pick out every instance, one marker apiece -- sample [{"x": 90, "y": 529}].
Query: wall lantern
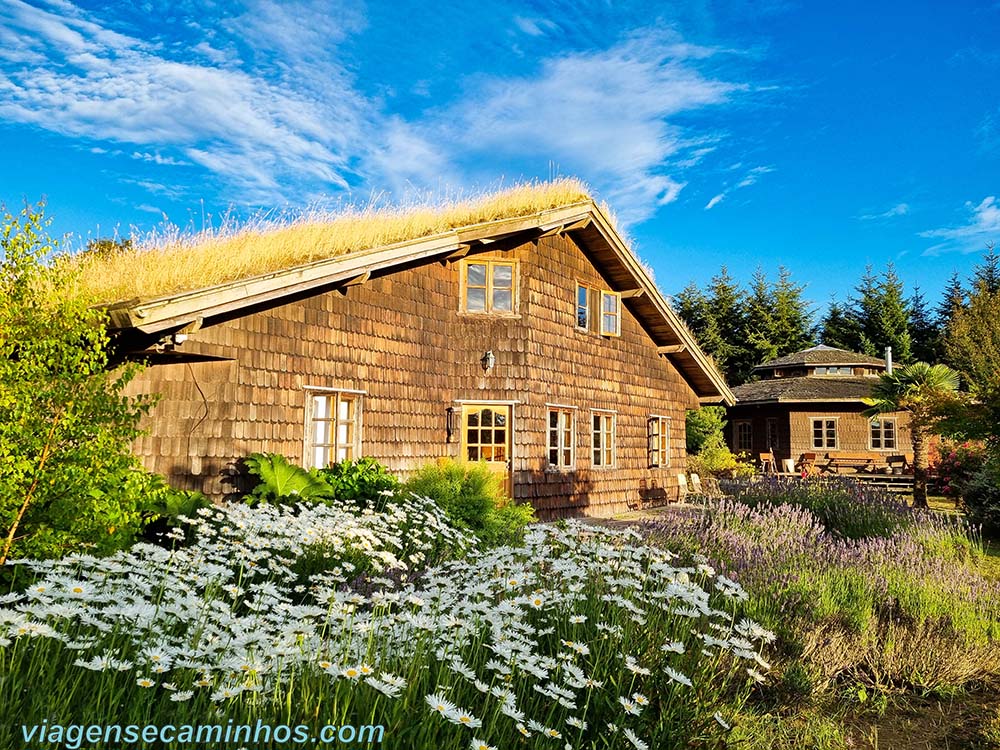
[
  {"x": 452, "y": 424},
  {"x": 489, "y": 359}
]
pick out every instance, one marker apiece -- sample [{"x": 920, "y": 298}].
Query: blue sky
[{"x": 820, "y": 136}]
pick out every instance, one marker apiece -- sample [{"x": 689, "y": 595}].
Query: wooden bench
[{"x": 860, "y": 462}]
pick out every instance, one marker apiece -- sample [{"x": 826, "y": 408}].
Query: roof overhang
[{"x": 584, "y": 222}]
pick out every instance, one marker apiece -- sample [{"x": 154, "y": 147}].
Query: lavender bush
[{"x": 891, "y": 596}]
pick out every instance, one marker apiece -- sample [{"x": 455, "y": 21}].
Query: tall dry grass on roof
[{"x": 164, "y": 264}]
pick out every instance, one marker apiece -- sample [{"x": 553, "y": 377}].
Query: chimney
[{"x": 888, "y": 359}]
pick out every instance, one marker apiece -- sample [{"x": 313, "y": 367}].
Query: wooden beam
[
  {"x": 458, "y": 254},
  {"x": 630, "y": 293},
  {"x": 672, "y": 349},
  {"x": 358, "y": 280},
  {"x": 576, "y": 225}
]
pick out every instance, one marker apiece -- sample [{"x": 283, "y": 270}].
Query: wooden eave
[{"x": 584, "y": 222}]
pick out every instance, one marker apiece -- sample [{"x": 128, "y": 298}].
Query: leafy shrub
[
  {"x": 703, "y": 424},
  {"x": 472, "y": 495},
  {"x": 282, "y": 482},
  {"x": 66, "y": 425},
  {"x": 363, "y": 481},
  {"x": 981, "y": 497},
  {"x": 715, "y": 459},
  {"x": 166, "y": 506}
]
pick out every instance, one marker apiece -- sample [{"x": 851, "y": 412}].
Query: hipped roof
[
  {"x": 805, "y": 389},
  {"x": 149, "y": 318},
  {"x": 821, "y": 355}
]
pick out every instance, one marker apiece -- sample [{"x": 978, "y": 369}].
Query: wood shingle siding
[{"x": 402, "y": 341}]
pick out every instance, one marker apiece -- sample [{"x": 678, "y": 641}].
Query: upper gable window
[
  {"x": 611, "y": 313},
  {"x": 582, "y": 307},
  {"x": 489, "y": 286}
]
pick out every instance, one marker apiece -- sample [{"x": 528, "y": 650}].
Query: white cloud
[
  {"x": 256, "y": 134},
  {"x": 606, "y": 115},
  {"x": 753, "y": 175},
  {"x": 715, "y": 201},
  {"x": 900, "y": 209},
  {"x": 983, "y": 227},
  {"x": 534, "y": 26}
]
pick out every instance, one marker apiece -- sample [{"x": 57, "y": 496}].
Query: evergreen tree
[
  {"x": 726, "y": 304},
  {"x": 760, "y": 320},
  {"x": 986, "y": 276},
  {"x": 892, "y": 325},
  {"x": 953, "y": 299},
  {"x": 792, "y": 315},
  {"x": 925, "y": 336},
  {"x": 839, "y": 328},
  {"x": 694, "y": 309},
  {"x": 865, "y": 310},
  {"x": 972, "y": 340},
  {"x": 882, "y": 315}
]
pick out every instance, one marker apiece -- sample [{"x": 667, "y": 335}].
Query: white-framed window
[
  {"x": 333, "y": 427},
  {"x": 883, "y": 434},
  {"x": 611, "y": 313},
  {"x": 489, "y": 286},
  {"x": 562, "y": 437},
  {"x": 824, "y": 432},
  {"x": 582, "y": 307},
  {"x": 772, "y": 434},
  {"x": 742, "y": 435},
  {"x": 603, "y": 443},
  {"x": 659, "y": 441}
]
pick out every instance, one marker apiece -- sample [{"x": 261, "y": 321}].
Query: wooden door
[{"x": 486, "y": 436}]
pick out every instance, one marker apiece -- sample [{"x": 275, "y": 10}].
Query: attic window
[
  {"x": 611, "y": 313},
  {"x": 489, "y": 286}
]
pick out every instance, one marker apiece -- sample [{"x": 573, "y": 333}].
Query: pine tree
[
  {"x": 986, "y": 276},
  {"x": 694, "y": 308},
  {"x": 727, "y": 303},
  {"x": 760, "y": 320},
  {"x": 892, "y": 326},
  {"x": 839, "y": 328},
  {"x": 925, "y": 336},
  {"x": 953, "y": 298},
  {"x": 865, "y": 310},
  {"x": 792, "y": 315}
]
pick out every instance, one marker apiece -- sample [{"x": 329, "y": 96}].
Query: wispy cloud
[
  {"x": 753, "y": 175},
  {"x": 750, "y": 178},
  {"x": 982, "y": 227},
  {"x": 900, "y": 209},
  {"x": 715, "y": 201},
  {"x": 263, "y": 102},
  {"x": 253, "y": 133},
  {"x": 608, "y": 115}
]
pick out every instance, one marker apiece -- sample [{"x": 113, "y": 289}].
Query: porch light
[{"x": 489, "y": 359}]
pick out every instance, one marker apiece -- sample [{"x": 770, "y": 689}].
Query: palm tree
[{"x": 922, "y": 391}]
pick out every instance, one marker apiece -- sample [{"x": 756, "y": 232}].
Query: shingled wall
[{"x": 403, "y": 341}]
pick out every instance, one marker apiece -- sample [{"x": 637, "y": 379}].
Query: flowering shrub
[
  {"x": 845, "y": 507},
  {"x": 580, "y": 637},
  {"x": 908, "y": 606},
  {"x": 956, "y": 465}
]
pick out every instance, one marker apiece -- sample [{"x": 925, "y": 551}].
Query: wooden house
[
  {"x": 809, "y": 404},
  {"x": 534, "y": 341}
]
